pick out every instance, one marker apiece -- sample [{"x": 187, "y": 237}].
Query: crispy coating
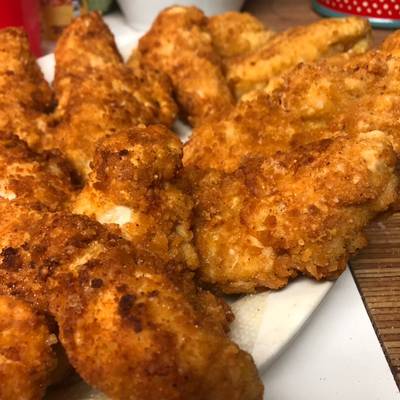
[
  {"x": 313, "y": 101},
  {"x": 300, "y": 44},
  {"x": 40, "y": 181},
  {"x": 234, "y": 33},
  {"x": 179, "y": 44},
  {"x": 158, "y": 87},
  {"x": 27, "y": 360},
  {"x": 301, "y": 212},
  {"x": 97, "y": 93},
  {"x": 391, "y": 44},
  {"x": 129, "y": 328},
  {"x": 24, "y": 93},
  {"x": 85, "y": 45},
  {"x": 135, "y": 183}
]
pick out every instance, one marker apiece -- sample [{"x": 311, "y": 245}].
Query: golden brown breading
[
  {"x": 85, "y": 45},
  {"x": 35, "y": 180},
  {"x": 235, "y": 33},
  {"x": 128, "y": 327},
  {"x": 158, "y": 87},
  {"x": 27, "y": 360},
  {"x": 135, "y": 183},
  {"x": 179, "y": 44},
  {"x": 297, "y": 212},
  {"x": 97, "y": 93},
  {"x": 313, "y": 101},
  {"x": 300, "y": 44},
  {"x": 391, "y": 44},
  {"x": 24, "y": 93}
]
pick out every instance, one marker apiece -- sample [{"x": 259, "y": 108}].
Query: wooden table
[{"x": 377, "y": 268}]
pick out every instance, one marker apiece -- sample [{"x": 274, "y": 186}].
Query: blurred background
[{"x": 44, "y": 20}]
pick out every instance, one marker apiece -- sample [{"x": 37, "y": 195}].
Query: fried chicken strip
[
  {"x": 158, "y": 87},
  {"x": 300, "y": 44},
  {"x": 301, "y": 212},
  {"x": 39, "y": 181},
  {"x": 235, "y": 33},
  {"x": 97, "y": 93},
  {"x": 136, "y": 184},
  {"x": 180, "y": 45},
  {"x": 27, "y": 359},
  {"x": 24, "y": 94},
  {"x": 129, "y": 328},
  {"x": 391, "y": 44},
  {"x": 313, "y": 101}
]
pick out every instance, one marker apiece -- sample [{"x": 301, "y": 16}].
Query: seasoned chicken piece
[
  {"x": 391, "y": 44},
  {"x": 300, "y": 44},
  {"x": 158, "y": 87},
  {"x": 24, "y": 94},
  {"x": 27, "y": 360},
  {"x": 301, "y": 212},
  {"x": 135, "y": 183},
  {"x": 129, "y": 328},
  {"x": 35, "y": 180},
  {"x": 234, "y": 33},
  {"x": 313, "y": 101},
  {"x": 97, "y": 93},
  {"x": 85, "y": 45},
  {"x": 180, "y": 45}
]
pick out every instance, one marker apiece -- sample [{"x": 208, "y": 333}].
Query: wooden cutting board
[{"x": 376, "y": 269}]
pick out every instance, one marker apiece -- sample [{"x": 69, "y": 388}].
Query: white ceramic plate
[{"x": 264, "y": 324}]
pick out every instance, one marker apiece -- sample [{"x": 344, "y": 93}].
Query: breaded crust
[
  {"x": 25, "y": 96},
  {"x": 300, "y": 44},
  {"x": 301, "y": 212},
  {"x": 235, "y": 33},
  {"x": 97, "y": 93},
  {"x": 158, "y": 87},
  {"x": 314, "y": 101},
  {"x": 129, "y": 328},
  {"x": 179, "y": 44},
  {"x": 136, "y": 183},
  {"x": 27, "y": 360},
  {"x": 37, "y": 180}
]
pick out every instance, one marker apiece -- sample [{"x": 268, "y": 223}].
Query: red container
[
  {"x": 25, "y": 14},
  {"x": 381, "y": 13}
]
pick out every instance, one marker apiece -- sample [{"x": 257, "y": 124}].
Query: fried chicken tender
[
  {"x": 180, "y": 45},
  {"x": 24, "y": 94},
  {"x": 158, "y": 87},
  {"x": 300, "y": 44},
  {"x": 391, "y": 44},
  {"x": 39, "y": 181},
  {"x": 97, "y": 93},
  {"x": 301, "y": 212},
  {"x": 27, "y": 359},
  {"x": 135, "y": 183},
  {"x": 129, "y": 328},
  {"x": 313, "y": 101},
  {"x": 234, "y": 33}
]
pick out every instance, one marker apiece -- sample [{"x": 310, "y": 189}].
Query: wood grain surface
[{"x": 377, "y": 268}]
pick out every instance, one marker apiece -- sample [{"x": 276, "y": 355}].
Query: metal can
[{"x": 380, "y": 13}]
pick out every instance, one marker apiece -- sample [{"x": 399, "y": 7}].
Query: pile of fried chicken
[{"x": 117, "y": 241}]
